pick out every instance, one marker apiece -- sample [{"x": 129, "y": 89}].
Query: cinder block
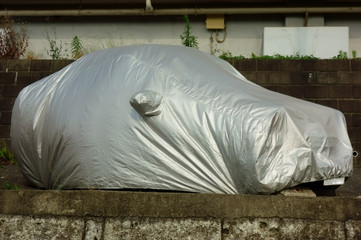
[
  {"x": 5, "y": 117},
  {"x": 60, "y": 64},
  {"x": 6, "y": 105},
  {"x": 338, "y": 65},
  {"x": 12, "y": 90},
  {"x": 315, "y": 92},
  {"x": 354, "y": 133},
  {"x": 93, "y": 229},
  {"x": 328, "y": 103},
  {"x": 291, "y": 65},
  {"x": 356, "y": 91},
  {"x": 18, "y": 65},
  {"x": 280, "y": 77},
  {"x": 249, "y": 75},
  {"x": 34, "y": 228},
  {"x": 161, "y": 228},
  {"x": 275, "y": 228},
  {"x": 28, "y": 77},
  {"x": 353, "y": 229},
  {"x": 245, "y": 64},
  {"x": 4, "y": 131},
  {"x": 340, "y": 91},
  {"x": 3, "y": 65},
  {"x": 315, "y": 65},
  {"x": 326, "y": 78},
  {"x": 351, "y": 106},
  {"x": 268, "y": 65},
  {"x": 41, "y": 65},
  {"x": 7, "y": 77},
  {"x": 355, "y": 64},
  {"x": 353, "y": 78},
  {"x": 356, "y": 120},
  {"x": 303, "y": 78},
  {"x": 294, "y": 91}
]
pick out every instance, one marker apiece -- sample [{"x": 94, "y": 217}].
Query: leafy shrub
[
  {"x": 13, "y": 40},
  {"x": 341, "y": 55},
  {"x": 8, "y": 186},
  {"x": 187, "y": 38},
  {"x": 6, "y": 155},
  {"x": 55, "y": 51},
  {"x": 77, "y": 49}
]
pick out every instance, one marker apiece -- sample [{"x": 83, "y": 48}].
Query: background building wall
[{"x": 244, "y": 33}]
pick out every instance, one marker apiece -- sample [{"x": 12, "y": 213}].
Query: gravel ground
[{"x": 11, "y": 175}]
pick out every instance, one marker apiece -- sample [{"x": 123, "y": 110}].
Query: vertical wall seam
[
  {"x": 103, "y": 229},
  {"x": 84, "y": 228}
]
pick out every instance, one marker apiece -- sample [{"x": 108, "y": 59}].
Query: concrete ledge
[
  {"x": 105, "y": 215},
  {"x": 98, "y": 203}
]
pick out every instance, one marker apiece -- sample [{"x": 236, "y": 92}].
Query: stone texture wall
[
  {"x": 134, "y": 228},
  {"x": 333, "y": 83},
  {"x": 14, "y": 76},
  {"x": 105, "y": 215}
]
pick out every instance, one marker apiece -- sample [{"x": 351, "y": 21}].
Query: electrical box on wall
[{"x": 215, "y": 22}]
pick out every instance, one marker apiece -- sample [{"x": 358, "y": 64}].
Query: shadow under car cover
[{"x": 171, "y": 118}]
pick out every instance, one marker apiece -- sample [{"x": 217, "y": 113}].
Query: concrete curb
[{"x": 99, "y": 203}]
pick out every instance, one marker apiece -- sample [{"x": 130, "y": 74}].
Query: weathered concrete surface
[
  {"x": 353, "y": 229},
  {"x": 94, "y": 229},
  {"x": 275, "y": 228},
  {"x": 162, "y": 228},
  {"x": 98, "y": 203},
  {"x": 13, "y": 227},
  {"x": 35, "y": 228},
  {"x": 102, "y": 215}
]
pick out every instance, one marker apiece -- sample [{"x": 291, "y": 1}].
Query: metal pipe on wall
[{"x": 181, "y": 11}]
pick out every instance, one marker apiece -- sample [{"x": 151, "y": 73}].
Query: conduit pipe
[{"x": 181, "y": 11}]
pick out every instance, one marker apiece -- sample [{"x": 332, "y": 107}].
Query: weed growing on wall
[
  {"x": 354, "y": 55},
  {"x": 279, "y": 56},
  {"x": 7, "y": 186},
  {"x": 187, "y": 38},
  {"x": 77, "y": 49},
  {"x": 228, "y": 55},
  {"x": 13, "y": 39},
  {"x": 341, "y": 55},
  {"x": 6, "y": 155},
  {"x": 55, "y": 47}
]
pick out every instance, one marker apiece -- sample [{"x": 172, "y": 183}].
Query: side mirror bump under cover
[{"x": 147, "y": 102}]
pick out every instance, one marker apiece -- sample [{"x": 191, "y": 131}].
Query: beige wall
[{"x": 244, "y": 32}]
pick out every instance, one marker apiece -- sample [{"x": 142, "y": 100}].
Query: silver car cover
[{"x": 171, "y": 118}]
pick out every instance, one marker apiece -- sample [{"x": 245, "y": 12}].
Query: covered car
[{"x": 171, "y": 118}]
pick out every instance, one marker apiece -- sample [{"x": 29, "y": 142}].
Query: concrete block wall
[
  {"x": 14, "y": 76},
  {"x": 105, "y": 215},
  {"x": 333, "y": 83}
]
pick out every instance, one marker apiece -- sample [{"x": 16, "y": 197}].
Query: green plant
[
  {"x": 187, "y": 38},
  {"x": 8, "y": 186},
  {"x": 77, "y": 49},
  {"x": 56, "y": 47},
  {"x": 341, "y": 55},
  {"x": 354, "y": 54},
  {"x": 297, "y": 56},
  {"x": 228, "y": 55},
  {"x": 13, "y": 40},
  {"x": 6, "y": 155}
]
